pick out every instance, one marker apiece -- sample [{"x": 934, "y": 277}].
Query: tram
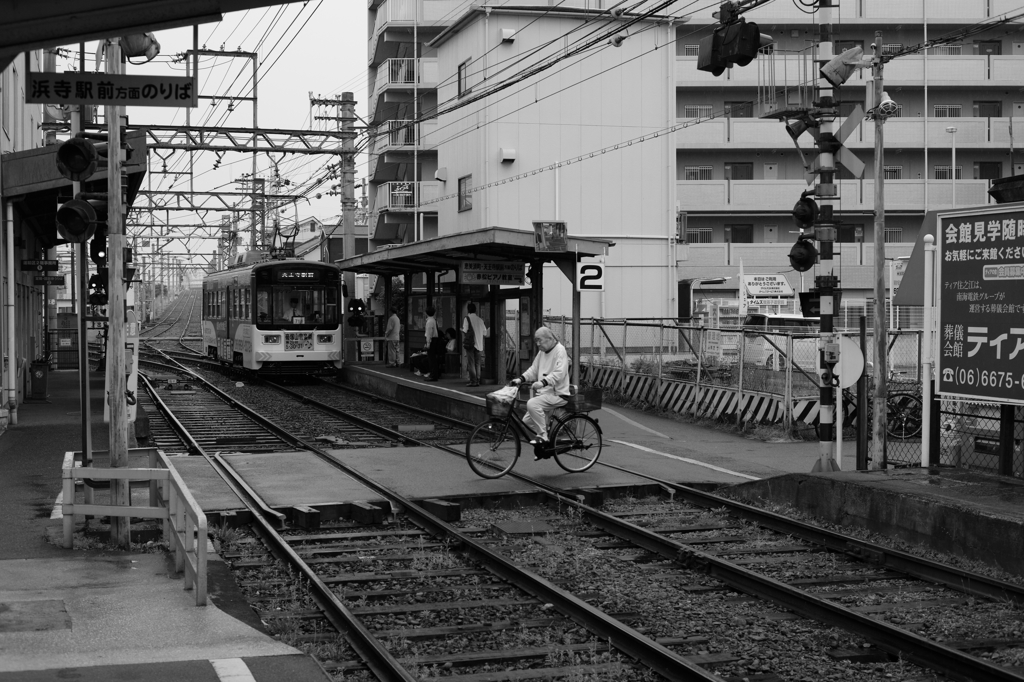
[{"x": 275, "y": 316}]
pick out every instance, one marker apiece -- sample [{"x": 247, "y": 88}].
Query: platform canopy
[{"x": 496, "y": 244}]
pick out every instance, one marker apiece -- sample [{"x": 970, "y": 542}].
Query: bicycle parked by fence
[
  {"x": 574, "y": 437},
  {"x": 903, "y": 408}
]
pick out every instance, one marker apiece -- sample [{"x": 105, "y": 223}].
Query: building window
[
  {"x": 945, "y": 172},
  {"x": 988, "y": 170},
  {"x": 988, "y": 109},
  {"x": 739, "y": 234},
  {"x": 465, "y": 193},
  {"x": 946, "y": 49},
  {"x": 892, "y": 172},
  {"x": 849, "y": 234},
  {"x": 739, "y": 109},
  {"x": 698, "y": 235},
  {"x": 893, "y": 234},
  {"x": 697, "y": 111},
  {"x": 463, "y": 86},
  {"x": 739, "y": 171},
  {"x": 697, "y": 173},
  {"x": 948, "y": 110},
  {"x": 691, "y": 50}
]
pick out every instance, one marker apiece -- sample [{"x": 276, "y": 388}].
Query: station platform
[{"x": 96, "y": 614}]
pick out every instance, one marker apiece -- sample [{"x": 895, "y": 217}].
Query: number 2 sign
[{"x": 590, "y": 276}]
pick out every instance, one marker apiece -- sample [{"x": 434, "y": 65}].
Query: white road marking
[
  {"x": 633, "y": 423},
  {"x": 688, "y": 460},
  {"x": 232, "y": 670}
]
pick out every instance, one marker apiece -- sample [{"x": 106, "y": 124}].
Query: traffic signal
[
  {"x": 735, "y": 44},
  {"x": 98, "y": 249},
  {"x": 356, "y": 308},
  {"x": 805, "y": 212},
  {"x": 803, "y": 256},
  {"x": 78, "y": 158},
  {"x": 98, "y": 287},
  {"x": 76, "y": 220}
]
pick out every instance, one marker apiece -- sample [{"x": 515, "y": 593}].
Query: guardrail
[{"x": 184, "y": 523}]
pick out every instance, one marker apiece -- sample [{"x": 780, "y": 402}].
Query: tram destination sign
[
  {"x": 39, "y": 265},
  {"x": 72, "y": 87},
  {"x": 979, "y": 346}
]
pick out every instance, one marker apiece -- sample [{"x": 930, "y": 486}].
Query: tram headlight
[
  {"x": 271, "y": 339},
  {"x": 325, "y": 338}
]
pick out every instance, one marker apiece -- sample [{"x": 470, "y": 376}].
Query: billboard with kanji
[{"x": 980, "y": 296}]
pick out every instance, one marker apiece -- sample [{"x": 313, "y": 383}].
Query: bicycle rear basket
[
  {"x": 498, "y": 408},
  {"x": 585, "y": 400}
]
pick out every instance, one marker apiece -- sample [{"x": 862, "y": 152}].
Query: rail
[{"x": 184, "y": 523}]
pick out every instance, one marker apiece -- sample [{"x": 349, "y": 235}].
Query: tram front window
[{"x": 286, "y": 305}]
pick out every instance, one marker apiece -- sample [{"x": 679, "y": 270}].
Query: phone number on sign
[{"x": 980, "y": 377}]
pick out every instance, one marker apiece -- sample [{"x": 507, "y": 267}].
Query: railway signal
[{"x": 735, "y": 43}]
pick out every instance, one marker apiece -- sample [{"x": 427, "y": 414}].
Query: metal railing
[{"x": 184, "y": 523}]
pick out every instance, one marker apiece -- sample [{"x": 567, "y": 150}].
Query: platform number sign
[{"x": 590, "y": 276}]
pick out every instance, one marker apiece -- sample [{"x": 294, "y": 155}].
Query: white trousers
[{"x": 537, "y": 409}]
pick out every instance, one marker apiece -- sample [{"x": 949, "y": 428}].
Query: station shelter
[{"x": 499, "y": 269}]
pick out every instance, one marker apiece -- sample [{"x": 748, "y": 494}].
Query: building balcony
[
  {"x": 395, "y": 144},
  {"x": 395, "y": 21},
  {"x": 396, "y": 83},
  {"x": 999, "y": 71},
  {"x": 873, "y": 11},
  {"x": 397, "y": 204},
  {"x": 906, "y": 133},
  {"x": 778, "y": 196}
]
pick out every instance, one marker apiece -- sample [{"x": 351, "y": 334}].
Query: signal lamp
[
  {"x": 803, "y": 256},
  {"x": 76, "y": 221},
  {"x": 77, "y": 159},
  {"x": 805, "y": 212}
]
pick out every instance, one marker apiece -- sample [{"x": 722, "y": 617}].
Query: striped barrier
[{"x": 712, "y": 402}]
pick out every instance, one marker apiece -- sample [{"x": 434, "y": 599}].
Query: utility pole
[
  {"x": 347, "y": 162},
  {"x": 117, "y": 384},
  {"x": 881, "y": 327}
]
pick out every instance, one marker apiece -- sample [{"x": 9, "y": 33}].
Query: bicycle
[
  {"x": 903, "y": 410},
  {"x": 574, "y": 436}
]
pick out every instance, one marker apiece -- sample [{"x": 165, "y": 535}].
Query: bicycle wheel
[
  {"x": 903, "y": 415},
  {"x": 492, "y": 448},
  {"x": 576, "y": 441}
]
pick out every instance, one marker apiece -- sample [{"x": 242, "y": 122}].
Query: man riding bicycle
[{"x": 550, "y": 376}]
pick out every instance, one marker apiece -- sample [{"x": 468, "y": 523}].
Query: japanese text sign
[
  {"x": 111, "y": 89},
  {"x": 473, "y": 272},
  {"x": 767, "y": 285},
  {"x": 980, "y": 295}
]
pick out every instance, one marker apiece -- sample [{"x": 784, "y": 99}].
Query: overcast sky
[{"x": 317, "y": 46}]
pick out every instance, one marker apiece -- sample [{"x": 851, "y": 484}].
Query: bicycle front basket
[{"x": 498, "y": 408}]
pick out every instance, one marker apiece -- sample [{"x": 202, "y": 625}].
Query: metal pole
[
  {"x": 862, "y": 404},
  {"x": 926, "y": 359},
  {"x": 881, "y": 328}
]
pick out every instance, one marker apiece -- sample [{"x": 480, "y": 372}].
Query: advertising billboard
[{"x": 979, "y": 347}]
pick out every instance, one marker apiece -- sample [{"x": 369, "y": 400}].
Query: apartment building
[{"x": 731, "y": 177}]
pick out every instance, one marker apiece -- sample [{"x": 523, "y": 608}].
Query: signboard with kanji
[
  {"x": 114, "y": 89},
  {"x": 980, "y": 294},
  {"x": 551, "y": 236},
  {"x": 39, "y": 265},
  {"x": 49, "y": 279},
  {"x": 763, "y": 286},
  {"x": 475, "y": 272}
]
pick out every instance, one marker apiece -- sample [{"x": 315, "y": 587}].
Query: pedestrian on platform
[
  {"x": 443, "y": 347},
  {"x": 474, "y": 331},
  {"x": 392, "y": 334}
]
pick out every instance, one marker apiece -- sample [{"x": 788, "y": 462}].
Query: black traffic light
[
  {"x": 803, "y": 256},
  {"x": 78, "y": 158},
  {"x": 805, "y": 212},
  {"x": 98, "y": 287},
  {"x": 98, "y": 249},
  {"x": 735, "y": 44},
  {"x": 356, "y": 308},
  {"x": 76, "y": 220}
]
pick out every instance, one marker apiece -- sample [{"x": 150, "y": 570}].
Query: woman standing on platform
[{"x": 392, "y": 334}]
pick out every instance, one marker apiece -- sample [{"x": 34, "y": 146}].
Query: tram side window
[
  {"x": 246, "y": 314},
  {"x": 234, "y": 304}
]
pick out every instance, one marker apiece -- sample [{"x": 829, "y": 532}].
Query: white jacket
[{"x": 551, "y": 368}]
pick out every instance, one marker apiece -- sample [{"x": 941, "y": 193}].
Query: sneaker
[
  {"x": 539, "y": 440},
  {"x": 417, "y": 372},
  {"x": 540, "y": 452}
]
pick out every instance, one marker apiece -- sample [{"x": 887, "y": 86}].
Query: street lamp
[
  {"x": 892, "y": 287},
  {"x": 952, "y": 171}
]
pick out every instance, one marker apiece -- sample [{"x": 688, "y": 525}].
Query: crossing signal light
[
  {"x": 76, "y": 220},
  {"x": 98, "y": 287},
  {"x": 98, "y": 250},
  {"x": 805, "y": 212},
  {"x": 803, "y": 256},
  {"x": 79, "y": 157},
  {"x": 735, "y": 44}
]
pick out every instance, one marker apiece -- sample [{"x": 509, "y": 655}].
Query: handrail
[{"x": 184, "y": 523}]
